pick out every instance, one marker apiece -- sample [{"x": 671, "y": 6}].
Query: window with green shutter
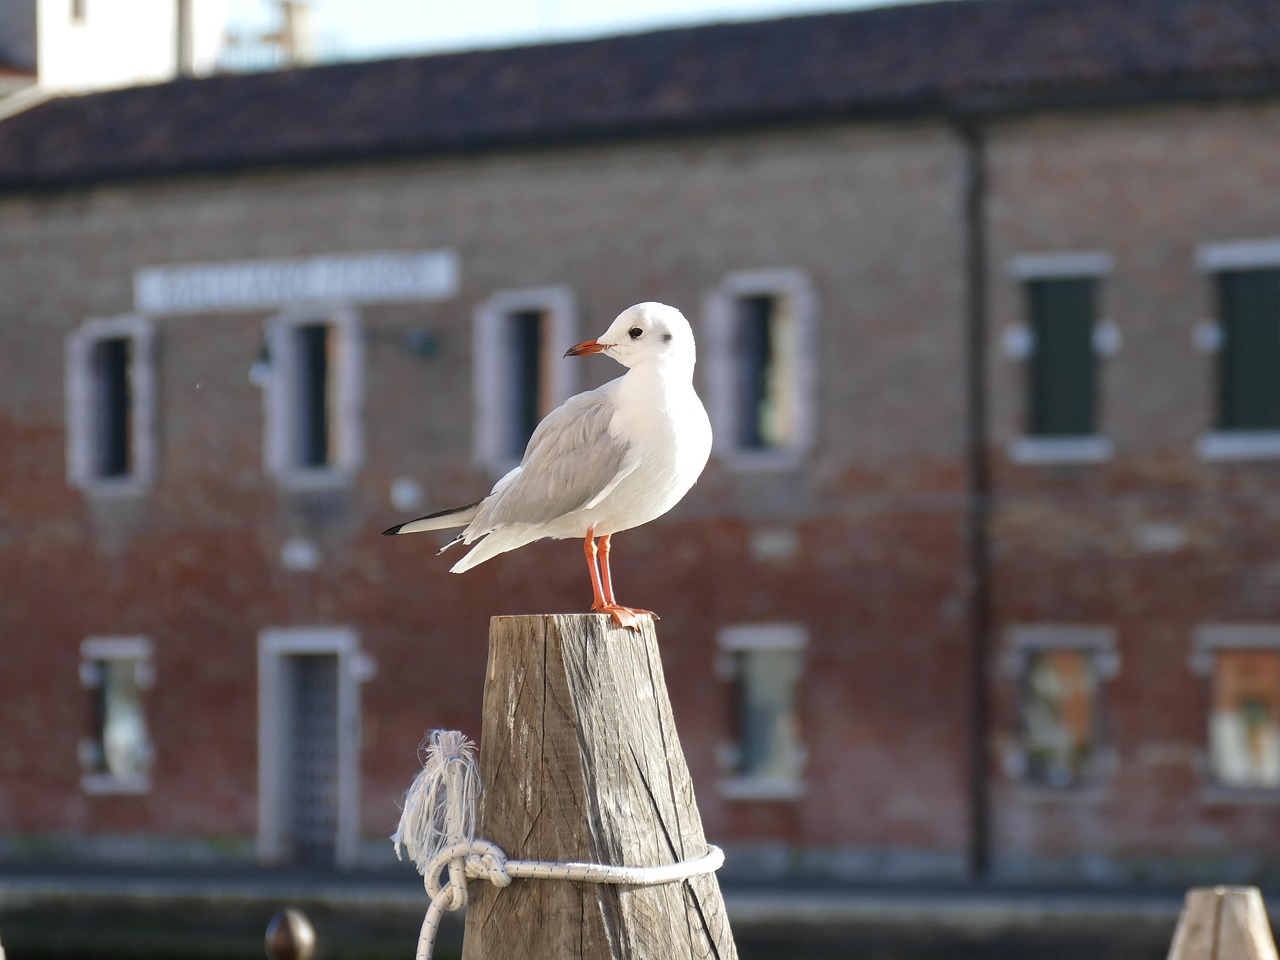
[
  {"x": 1062, "y": 374},
  {"x": 1249, "y": 360}
]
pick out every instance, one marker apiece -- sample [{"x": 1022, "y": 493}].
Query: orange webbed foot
[{"x": 624, "y": 616}]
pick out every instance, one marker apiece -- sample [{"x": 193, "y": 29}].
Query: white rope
[{"x": 437, "y": 827}]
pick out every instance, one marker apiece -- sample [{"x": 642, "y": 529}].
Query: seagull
[{"x": 602, "y": 462}]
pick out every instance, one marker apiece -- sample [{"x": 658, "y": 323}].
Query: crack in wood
[{"x": 653, "y": 802}]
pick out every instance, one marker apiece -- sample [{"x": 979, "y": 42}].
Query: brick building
[{"x": 983, "y": 575}]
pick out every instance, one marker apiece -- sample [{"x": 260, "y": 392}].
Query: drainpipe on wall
[
  {"x": 184, "y": 57},
  {"x": 978, "y": 524}
]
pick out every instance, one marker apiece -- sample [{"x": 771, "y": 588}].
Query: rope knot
[{"x": 491, "y": 864}]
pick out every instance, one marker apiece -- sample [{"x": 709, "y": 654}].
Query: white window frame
[
  {"x": 94, "y": 650},
  {"x": 279, "y": 395},
  {"x": 1213, "y": 258},
  {"x": 1018, "y": 343},
  {"x": 354, "y": 667},
  {"x": 1207, "y": 640},
  {"x": 745, "y": 638},
  {"x": 491, "y": 358},
  {"x": 795, "y": 287},
  {"x": 1023, "y": 640},
  {"x": 81, "y": 432},
  {"x": 1060, "y": 266}
]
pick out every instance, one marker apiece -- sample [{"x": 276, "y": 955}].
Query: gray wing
[{"x": 571, "y": 461}]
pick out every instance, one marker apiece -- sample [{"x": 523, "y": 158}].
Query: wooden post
[
  {"x": 580, "y": 762},
  {"x": 1223, "y": 923}
]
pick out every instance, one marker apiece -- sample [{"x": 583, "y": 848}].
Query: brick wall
[
  {"x": 872, "y": 558},
  {"x": 1156, "y": 541}
]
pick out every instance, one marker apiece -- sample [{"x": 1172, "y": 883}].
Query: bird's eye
[{"x": 636, "y": 333}]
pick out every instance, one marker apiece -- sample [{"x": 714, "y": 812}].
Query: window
[
  {"x": 1059, "y": 717},
  {"x": 116, "y": 755},
  {"x": 309, "y": 730},
  {"x": 1249, "y": 358},
  {"x": 110, "y": 405},
  {"x": 1062, "y": 368},
  {"x": 313, "y": 396},
  {"x": 530, "y": 401},
  {"x": 1060, "y": 342},
  {"x": 761, "y": 367},
  {"x": 1242, "y": 664},
  {"x": 520, "y": 371},
  {"x": 1059, "y": 671},
  {"x": 763, "y": 755},
  {"x": 1244, "y": 719},
  {"x": 1246, "y": 340}
]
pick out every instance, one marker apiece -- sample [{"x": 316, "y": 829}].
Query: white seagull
[{"x": 602, "y": 462}]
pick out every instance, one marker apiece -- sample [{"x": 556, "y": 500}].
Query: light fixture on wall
[
  {"x": 406, "y": 494},
  {"x": 260, "y": 371}
]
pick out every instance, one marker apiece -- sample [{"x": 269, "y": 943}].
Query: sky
[{"x": 367, "y": 29}]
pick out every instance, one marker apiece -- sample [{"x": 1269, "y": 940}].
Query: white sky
[{"x": 365, "y": 29}]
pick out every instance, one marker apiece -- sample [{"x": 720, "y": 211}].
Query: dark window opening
[
  {"x": 1249, "y": 362},
  {"x": 110, "y": 374},
  {"x": 757, "y": 374},
  {"x": 315, "y": 414},
  {"x": 528, "y": 404},
  {"x": 1063, "y": 371}
]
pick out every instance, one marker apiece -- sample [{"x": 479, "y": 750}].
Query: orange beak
[{"x": 585, "y": 347}]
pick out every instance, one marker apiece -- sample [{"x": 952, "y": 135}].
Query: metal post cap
[{"x": 290, "y": 936}]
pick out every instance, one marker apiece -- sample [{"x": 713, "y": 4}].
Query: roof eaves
[
  {"x": 920, "y": 107},
  {"x": 981, "y": 102}
]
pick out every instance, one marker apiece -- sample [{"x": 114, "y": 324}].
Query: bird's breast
[{"x": 670, "y": 440}]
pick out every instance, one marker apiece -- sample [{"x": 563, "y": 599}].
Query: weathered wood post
[
  {"x": 1223, "y": 923},
  {"x": 580, "y": 761}
]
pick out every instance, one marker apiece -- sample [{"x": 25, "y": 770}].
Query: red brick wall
[
  {"x": 879, "y": 578},
  {"x": 1071, "y": 543}
]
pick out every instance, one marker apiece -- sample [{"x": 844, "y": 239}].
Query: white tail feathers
[
  {"x": 456, "y": 517},
  {"x": 499, "y": 541}
]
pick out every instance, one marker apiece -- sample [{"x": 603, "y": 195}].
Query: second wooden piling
[{"x": 1223, "y": 923}]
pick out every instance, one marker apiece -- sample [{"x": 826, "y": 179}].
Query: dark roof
[{"x": 951, "y": 56}]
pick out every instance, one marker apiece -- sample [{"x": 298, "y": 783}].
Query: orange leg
[
  {"x": 602, "y": 584},
  {"x": 606, "y": 578},
  {"x": 589, "y": 548}
]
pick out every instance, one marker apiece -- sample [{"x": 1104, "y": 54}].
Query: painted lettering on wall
[{"x": 234, "y": 286}]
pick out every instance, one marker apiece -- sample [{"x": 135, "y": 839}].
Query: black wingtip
[{"x": 392, "y": 531}]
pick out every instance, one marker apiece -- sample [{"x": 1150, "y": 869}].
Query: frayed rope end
[{"x": 440, "y": 805}]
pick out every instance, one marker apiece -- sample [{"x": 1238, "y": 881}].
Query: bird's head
[{"x": 641, "y": 334}]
